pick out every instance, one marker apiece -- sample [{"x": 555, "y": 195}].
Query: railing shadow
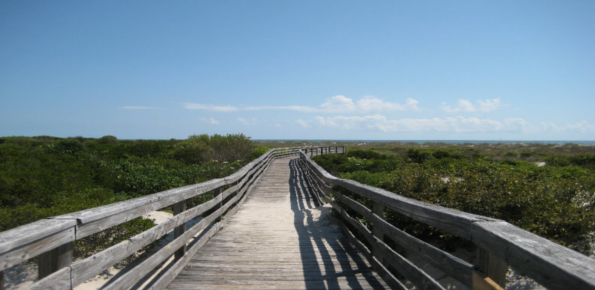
[{"x": 319, "y": 241}]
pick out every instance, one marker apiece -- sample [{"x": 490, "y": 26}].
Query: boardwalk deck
[{"x": 279, "y": 239}]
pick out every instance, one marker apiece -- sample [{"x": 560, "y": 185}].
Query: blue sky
[{"x": 385, "y": 70}]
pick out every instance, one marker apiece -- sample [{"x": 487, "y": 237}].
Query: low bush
[{"x": 46, "y": 176}]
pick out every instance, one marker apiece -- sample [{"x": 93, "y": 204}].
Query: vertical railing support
[
  {"x": 1, "y": 280},
  {"x": 217, "y": 194},
  {"x": 378, "y": 209},
  {"x": 178, "y": 208},
  {"x": 492, "y": 267},
  {"x": 54, "y": 260}
]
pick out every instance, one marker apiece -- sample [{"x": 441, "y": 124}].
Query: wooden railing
[
  {"x": 51, "y": 239},
  {"x": 500, "y": 244}
]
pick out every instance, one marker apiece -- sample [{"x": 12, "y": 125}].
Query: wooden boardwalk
[{"x": 279, "y": 239}]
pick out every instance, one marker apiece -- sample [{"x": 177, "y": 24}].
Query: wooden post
[
  {"x": 54, "y": 260},
  {"x": 492, "y": 267},
  {"x": 378, "y": 209},
  {"x": 178, "y": 208},
  {"x": 217, "y": 192}
]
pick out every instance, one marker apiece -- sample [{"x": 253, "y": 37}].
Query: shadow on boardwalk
[{"x": 337, "y": 257}]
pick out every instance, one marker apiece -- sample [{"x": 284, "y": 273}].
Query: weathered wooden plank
[
  {"x": 318, "y": 185},
  {"x": 54, "y": 260},
  {"x": 272, "y": 266},
  {"x": 17, "y": 237},
  {"x": 59, "y": 280},
  {"x": 271, "y": 276},
  {"x": 243, "y": 194},
  {"x": 414, "y": 274},
  {"x": 248, "y": 174},
  {"x": 177, "y": 209},
  {"x": 481, "y": 282},
  {"x": 164, "y": 198},
  {"x": 135, "y": 274},
  {"x": 314, "y": 179},
  {"x": 16, "y": 254},
  {"x": 93, "y": 265},
  {"x": 131, "y": 277},
  {"x": 392, "y": 282},
  {"x": 451, "y": 265},
  {"x": 264, "y": 159},
  {"x": 405, "y": 267},
  {"x": 173, "y": 271},
  {"x": 492, "y": 266},
  {"x": 338, "y": 283},
  {"x": 359, "y": 226},
  {"x": 356, "y": 206},
  {"x": 552, "y": 265}
]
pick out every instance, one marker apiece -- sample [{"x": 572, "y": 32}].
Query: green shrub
[
  {"x": 554, "y": 202},
  {"x": 107, "y": 139},
  {"x": 419, "y": 155},
  {"x": 365, "y": 154},
  {"x": 46, "y": 176},
  {"x": 258, "y": 151},
  {"x": 66, "y": 146}
]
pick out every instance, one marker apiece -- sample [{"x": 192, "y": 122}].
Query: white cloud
[
  {"x": 193, "y": 106},
  {"x": 287, "y": 108},
  {"x": 466, "y": 106},
  {"x": 303, "y": 123},
  {"x": 582, "y": 127},
  {"x": 336, "y": 104},
  {"x": 372, "y": 104},
  {"x": 210, "y": 121},
  {"x": 249, "y": 122},
  {"x": 381, "y": 123},
  {"x": 136, "y": 108},
  {"x": 457, "y": 124},
  {"x": 489, "y": 105}
]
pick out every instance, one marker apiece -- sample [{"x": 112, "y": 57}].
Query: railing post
[
  {"x": 178, "y": 208},
  {"x": 217, "y": 193},
  {"x": 378, "y": 209},
  {"x": 492, "y": 267},
  {"x": 54, "y": 260},
  {"x": 1, "y": 280}
]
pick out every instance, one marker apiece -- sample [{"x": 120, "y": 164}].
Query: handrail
[
  {"x": 52, "y": 239},
  {"x": 500, "y": 243}
]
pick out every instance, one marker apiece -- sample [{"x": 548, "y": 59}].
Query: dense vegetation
[
  {"x": 556, "y": 201},
  {"x": 47, "y": 176}
]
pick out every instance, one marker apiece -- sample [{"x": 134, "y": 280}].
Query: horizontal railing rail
[
  {"x": 500, "y": 244},
  {"x": 51, "y": 239}
]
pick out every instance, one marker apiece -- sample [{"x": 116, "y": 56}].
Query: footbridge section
[{"x": 283, "y": 222}]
